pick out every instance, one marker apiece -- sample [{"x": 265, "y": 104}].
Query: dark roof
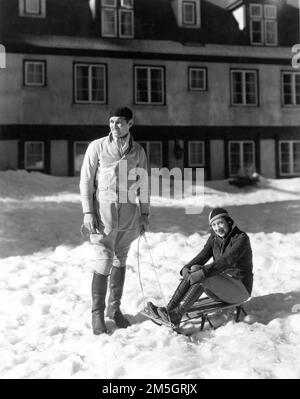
[{"x": 154, "y": 20}]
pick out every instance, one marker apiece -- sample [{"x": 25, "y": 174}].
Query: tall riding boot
[
  {"x": 178, "y": 295},
  {"x": 117, "y": 279},
  {"x": 174, "y": 315},
  {"x": 99, "y": 288}
]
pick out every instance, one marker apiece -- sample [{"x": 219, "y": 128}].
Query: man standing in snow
[
  {"x": 228, "y": 278},
  {"x": 114, "y": 213}
]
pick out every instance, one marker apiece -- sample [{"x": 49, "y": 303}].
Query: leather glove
[
  {"x": 196, "y": 277},
  {"x": 185, "y": 271}
]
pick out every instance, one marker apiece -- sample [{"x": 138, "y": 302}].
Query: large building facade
[{"x": 210, "y": 82}]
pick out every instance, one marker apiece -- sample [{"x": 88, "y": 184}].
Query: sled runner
[{"x": 201, "y": 309}]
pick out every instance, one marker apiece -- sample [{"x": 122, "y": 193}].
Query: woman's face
[{"x": 221, "y": 227}]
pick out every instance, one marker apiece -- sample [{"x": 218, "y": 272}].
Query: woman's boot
[{"x": 174, "y": 315}]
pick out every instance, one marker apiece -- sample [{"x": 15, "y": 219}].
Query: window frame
[
  {"x": 128, "y": 6},
  {"x": 103, "y": 4},
  {"x": 293, "y": 74},
  {"x": 192, "y": 164},
  {"x": 264, "y": 21},
  {"x": 90, "y": 65},
  {"x": 291, "y": 163},
  {"x": 26, "y": 62},
  {"x": 114, "y": 11},
  {"x": 126, "y": 11},
  {"x": 149, "y": 68},
  {"x": 195, "y": 68},
  {"x": 241, "y": 154},
  {"x": 23, "y": 12},
  {"x": 26, "y": 154},
  {"x": 186, "y": 3},
  {"x": 244, "y": 93}
]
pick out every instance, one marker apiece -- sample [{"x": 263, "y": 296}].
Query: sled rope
[{"x": 153, "y": 266}]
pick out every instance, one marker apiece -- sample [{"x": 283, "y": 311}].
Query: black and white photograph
[{"x": 150, "y": 192}]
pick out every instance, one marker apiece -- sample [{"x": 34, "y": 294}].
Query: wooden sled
[{"x": 202, "y": 309}]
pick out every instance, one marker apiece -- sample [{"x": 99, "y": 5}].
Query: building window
[
  {"x": 149, "y": 85},
  {"x": 241, "y": 158},
  {"x": 117, "y": 18},
  {"x": 290, "y": 83},
  {"x": 244, "y": 89},
  {"x": 188, "y": 13},
  {"x": 90, "y": 83},
  {"x": 79, "y": 150},
  {"x": 32, "y": 8},
  {"x": 197, "y": 79},
  {"x": 263, "y": 24},
  {"x": 153, "y": 150},
  {"x": 34, "y": 73},
  {"x": 289, "y": 153},
  {"x": 196, "y": 153},
  {"x": 34, "y": 155}
]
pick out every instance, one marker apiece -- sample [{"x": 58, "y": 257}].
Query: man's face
[
  {"x": 221, "y": 227},
  {"x": 119, "y": 126}
]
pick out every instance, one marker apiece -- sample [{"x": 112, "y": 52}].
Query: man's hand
[
  {"x": 90, "y": 222},
  {"x": 144, "y": 222},
  {"x": 195, "y": 268}
]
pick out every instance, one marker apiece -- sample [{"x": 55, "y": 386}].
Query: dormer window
[
  {"x": 188, "y": 13},
  {"x": 32, "y": 8},
  {"x": 117, "y": 18},
  {"x": 263, "y": 24}
]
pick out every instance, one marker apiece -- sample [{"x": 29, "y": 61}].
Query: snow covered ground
[{"x": 45, "y": 287}]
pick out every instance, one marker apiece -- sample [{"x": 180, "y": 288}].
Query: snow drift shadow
[
  {"x": 266, "y": 308},
  {"x": 282, "y": 217}
]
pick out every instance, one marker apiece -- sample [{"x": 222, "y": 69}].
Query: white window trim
[
  {"x": 114, "y": 10},
  {"x": 184, "y": 21},
  {"x": 147, "y": 145},
  {"x": 26, "y": 154},
  {"x": 26, "y": 83},
  {"x": 252, "y": 6},
  {"x": 291, "y": 163},
  {"x": 263, "y": 19},
  {"x": 190, "y": 78},
  {"x": 270, "y": 7},
  {"x": 124, "y": 4},
  {"x": 181, "y": 23},
  {"x": 265, "y": 32},
  {"x": 148, "y": 102},
  {"x": 23, "y": 13},
  {"x": 89, "y": 101},
  {"x": 244, "y": 71},
  {"x": 190, "y": 151},
  {"x": 104, "y": 4},
  {"x": 132, "y": 23},
  {"x": 241, "y": 153},
  {"x": 293, "y": 74},
  {"x": 262, "y": 32}
]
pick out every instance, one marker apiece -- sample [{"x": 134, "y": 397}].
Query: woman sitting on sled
[{"x": 228, "y": 278}]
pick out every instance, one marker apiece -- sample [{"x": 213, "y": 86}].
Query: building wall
[
  {"x": 8, "y": 154},
  {"x": 268, "y": 158},
  {"x": 53, "y": 104},
  {"x": 59, "y": 158},
  {"x": 217, "y": 159}
]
